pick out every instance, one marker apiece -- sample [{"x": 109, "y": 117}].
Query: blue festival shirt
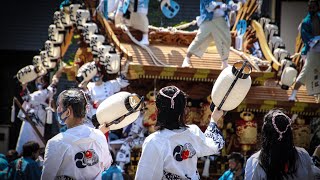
[{"x": 306, "y": 32}]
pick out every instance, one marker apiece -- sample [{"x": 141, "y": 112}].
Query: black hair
[
  {"x": 12, "y": 155},
  {"x": 277, "y": 157},
  {"x": 237, "y": 157},
  {"x": 314, "y": 1},
  {"x": 167, "y": 117},
  {"x": 29, "y": 148},
  {"x": 75, "y": 98}
]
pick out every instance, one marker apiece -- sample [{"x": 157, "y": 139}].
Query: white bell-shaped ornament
[
  {"x": 96, "y": 40},
  {"x": 88, "y": 30},
  {"x": 288, "y": 77},
  {"x": 54, "y": 51},
  {"x": 47, "y": 62},
  {"x": 37, "y": 63},
  {"x": 112, "y": 63},
  {"x": 119, "y": 110},
  {"x": 57, "y": 20},
  {"x": 73, "y": 12},
  {"x": 65, "y": 16},
  {"x": 232, "y": 86},
  {"x": 275, "y": 42},
  {"x": 54, "y": 35},
  {"x": 27, "y": 74},
  {"x": 264, "y": 21},
  {"x": 280, "y": 53},
  {"x": 270, "y": 30},
  {"x": 103, "y": 50},
  {"x": 286, "y": 62},
  {"x": 86, "y": 72},
  {"x": 83, "y": 16}
]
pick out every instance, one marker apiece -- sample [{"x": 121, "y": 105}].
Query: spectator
[
  {"x": 80, "y": 152},
  {"x": 172, "y": 151},
  {"x": 236, "y": 169},
  {"x": 278, "y": 158},
  {"x": 26, "y": 167}
]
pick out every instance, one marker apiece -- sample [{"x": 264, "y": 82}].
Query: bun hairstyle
[{"x": 170, "y": 103}]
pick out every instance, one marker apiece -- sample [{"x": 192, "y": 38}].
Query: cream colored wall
[{"x": 292, "y": 14}]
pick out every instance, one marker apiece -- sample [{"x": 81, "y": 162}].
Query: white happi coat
[
  {"x": 78, "y": 153},
  {"x": 35, "y": 108},
  {"x": 173, "y": 154}
]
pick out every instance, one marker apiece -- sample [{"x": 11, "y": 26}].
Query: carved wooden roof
[{"x": 171, "y": 48}]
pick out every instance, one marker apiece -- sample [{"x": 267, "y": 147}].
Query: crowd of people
[{"x": 86, "y": 149}]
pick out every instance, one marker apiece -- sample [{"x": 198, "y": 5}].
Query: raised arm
[{"x": 212, "y": 138}]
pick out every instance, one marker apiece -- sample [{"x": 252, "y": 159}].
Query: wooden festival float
[{"x": 150, "y": 68}]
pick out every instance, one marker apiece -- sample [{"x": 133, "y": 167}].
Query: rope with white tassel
[
  {"x": 13, "y": 112},
  {"x": 155, "y": 59}
]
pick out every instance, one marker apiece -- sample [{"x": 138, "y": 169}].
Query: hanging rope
[{"x": 154, "y": 58}]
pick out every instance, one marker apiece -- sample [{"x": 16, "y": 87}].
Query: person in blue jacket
[
  {"x": 26, "y": 167},
  {"x": 236, "y": 169},
  {"x": 114, "y": 172},
  {"x": 310, "y": 29}
]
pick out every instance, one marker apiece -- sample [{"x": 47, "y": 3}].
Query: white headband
[{"x": 172, "y": 98}]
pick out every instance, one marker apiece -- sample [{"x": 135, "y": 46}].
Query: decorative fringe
[
  {"x": 49, "y": 115},
  {"x": 13, "y": 112},
  {"x": 205, "y": 172}
]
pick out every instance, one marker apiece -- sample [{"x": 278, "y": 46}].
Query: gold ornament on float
[
  {"x": 150, "y": 115},
  {"x": 246, "y": 130}
]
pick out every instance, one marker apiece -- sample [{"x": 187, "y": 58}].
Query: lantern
[
  {"x": 103, "y": 50},
  {"x": 65, "y": 16},
  {"x": 270, "y": 30},
  {"x": 55, "y": 35},
  {"x": 27, "y": 74},
  {"x": 119, "y": 110},
  {"x": 73, "y": 12},
  {"x": 82, "y": 17},
  {"x": 86, "y": 72},
  {"x": 57, "y": 21},
  {"x": 38, "y": 65},
  {"x": 54, "y": 51},
  {"x": 47, "y": 62},
  {"x": 112, "y": 62},
  {"x": 88, "y": 30},
  {"x": 275, "y": 42},
  {"x": 96, "y": 41},
  {"x": 280, "y": 53},
  {"x": 232, "y": 86},
  {"x": 288, "y": 77}
]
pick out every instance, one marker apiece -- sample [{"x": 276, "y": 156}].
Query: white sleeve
[
  {"x": 53, "y": 157},
  {"x": 151, "y": 162},
  {"x": 249, "y": 168},
  {"x": 213, "y": 140},
  {"x": 106, "y": 159}
]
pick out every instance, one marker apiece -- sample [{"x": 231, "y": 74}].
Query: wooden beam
[
  {"x": 109, "y": 32},
  {"x": 264, "y": 45}
]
